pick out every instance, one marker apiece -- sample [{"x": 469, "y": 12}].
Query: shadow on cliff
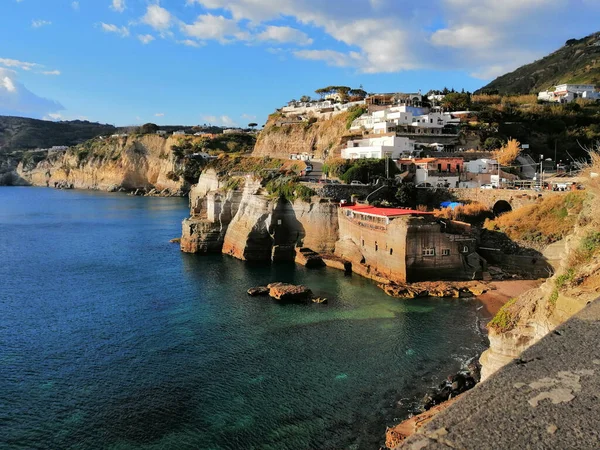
[
  {"x": 286, "y": 232},
  {"x": 499, "y": 250}
]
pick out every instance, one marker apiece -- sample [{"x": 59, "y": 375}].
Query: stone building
[{"x": 406, "y": 245}]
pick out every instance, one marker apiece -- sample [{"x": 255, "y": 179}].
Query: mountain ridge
[{"x": 577, "y": 62}]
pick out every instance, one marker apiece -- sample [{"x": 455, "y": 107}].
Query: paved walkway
[{"x": 547, "y": 399}]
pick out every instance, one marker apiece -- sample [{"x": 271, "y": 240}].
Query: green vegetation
[
  {"x": 262, "y": 167},
  {"x": 505, "y": 319},
  {"x": 354, "y": 113},
  {"x": 577, "y": 62},
  {"x": 543, "y": 223},
  {"x": 18, "y": 133},
  {"x": 289, "y": 189},
  {"x": 241, "y": 143},
  {"x": 363, "y": 170}
]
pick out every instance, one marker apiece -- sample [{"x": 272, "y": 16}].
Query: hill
[
  {"x": 19, "y": 133},
  {"x": 578, "y": 61}
]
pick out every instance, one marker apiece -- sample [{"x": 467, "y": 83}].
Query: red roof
[{"x": 384, "y": 212}]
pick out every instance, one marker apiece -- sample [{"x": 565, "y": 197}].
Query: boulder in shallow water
[
  {"x": 260, "y": 290},
  {"x": 290, "y": 292}
]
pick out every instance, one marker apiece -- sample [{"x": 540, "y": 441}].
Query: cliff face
[
  {"x": 136, "y": 162},
  {"x": 525, "y": 320},
  {"x": 249, "y": 225},
  {"x": 321, "y": 139}
]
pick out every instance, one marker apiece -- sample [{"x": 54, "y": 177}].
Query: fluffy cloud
[
  {"x": 145, "y": 38},
  {"x": 40, "y": 23},
  {"x": 18, "y": 64},
  {"x": 118, "y": 5},
  {"x": 111, "y": 28},
  {"x": 481, "y": 36},
  {"x": 17, "y": 100},
  {"x": 158, "y": 18},
  {"x": 284, "y": 34},
  {"x": 225, "y": 121},
  {"x": 219, "y": 28}
]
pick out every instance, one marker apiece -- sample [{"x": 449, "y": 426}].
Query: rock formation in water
[
  {"x": 247, "y": 223},
  {"x": 142, "y": 162}
]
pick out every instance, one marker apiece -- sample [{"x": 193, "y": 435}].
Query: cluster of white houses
[
  {"x": 404, "y": 119},
  {"x": 566, "y": 93},
  {"x": 425, "y": 172}
]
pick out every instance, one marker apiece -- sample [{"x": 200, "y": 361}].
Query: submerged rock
[
  {"x": 260, "y": 290},
  {"x": 290, "y": 292}
]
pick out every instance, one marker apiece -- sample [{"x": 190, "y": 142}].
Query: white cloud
[
  {"x": 118, "y": 5},
  {"x": 51, "y": 72},
  {"x": 40, "y": 23},
  {"x": 75, "y": 6},
  {"x": 220, "y": 121},
  {"x": 111, "y": 28},
  {"x": 145, "y": 38},
  {"x": 330, "y": 57},
  {"x": 284, "y": 34},
  {"x": 248, "y": 116},
  {"x": 189, "y": 43},
  {"x": 57, "y": 117},
  {"x": 158, "y": 18},
  {"x": 7, "y": 83},
  {"x": 17, "y": 100},
  {"x": 159, "y": 115},
  {"x": 219, "y": 28},
  {"x": 18, "y": 64},
  {"x": 389, "y": 35}
]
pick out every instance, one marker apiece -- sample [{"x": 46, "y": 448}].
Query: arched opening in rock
[{"x": 501, "y": 207}]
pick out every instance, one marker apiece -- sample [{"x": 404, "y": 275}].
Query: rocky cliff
[
  {"x": 525, "y": 320},
  {"x": 242, "y": 220},
  {"x": 321, "y": 139},
  {"x": 145, "y": 162}
]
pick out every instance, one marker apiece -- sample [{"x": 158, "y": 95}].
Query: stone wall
[
  {"x": 395, "y": 251},
  {"x": 339, "y": 192},
  {"x": 489, "y": 197}
]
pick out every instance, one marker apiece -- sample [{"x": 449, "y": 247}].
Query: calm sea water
[{"x": 110, "y": 338}]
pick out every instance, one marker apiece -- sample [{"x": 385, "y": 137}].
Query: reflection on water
[{"x": 112, "y": 338}]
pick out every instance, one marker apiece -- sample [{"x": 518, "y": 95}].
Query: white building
[
  {"x": 427, "y": 178},
  {"x": 565, "y": 93},
  {"x": 400, "y": 118},
  {"x": 161, "y": 132},
  {"x": 483, "y": 165},
  {"x": 179, "y": 133},
  {"x": 378, "y": 147}
]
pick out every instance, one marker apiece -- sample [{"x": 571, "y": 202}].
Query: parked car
[
  {"x": 357, "y": 183},
  {"x": 309, "y": 168},
  {"x": 488, "y": 186}
]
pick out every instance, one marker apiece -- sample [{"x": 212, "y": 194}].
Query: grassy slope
[{"x": 578, "y": 62}]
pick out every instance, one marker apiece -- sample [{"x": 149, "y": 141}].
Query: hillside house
[
  {"x": 378, "y": 147},
  {"x": 433, "y": 172},
  {"x": 405, "y": 245},
  {"x": 566, "y": 93}
]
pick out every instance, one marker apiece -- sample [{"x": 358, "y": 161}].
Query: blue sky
[{"x": 230, "y": 62}]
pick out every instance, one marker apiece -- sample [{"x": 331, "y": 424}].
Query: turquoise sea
[{"x": 111, "y": 338}]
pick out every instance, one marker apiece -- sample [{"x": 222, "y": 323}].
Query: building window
[
  {"x": 391, "y": 251},
  {"x": 376, "y": 246},
  {"x": 445, "y": 251},
  {"x": 429, "y": 251}
]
